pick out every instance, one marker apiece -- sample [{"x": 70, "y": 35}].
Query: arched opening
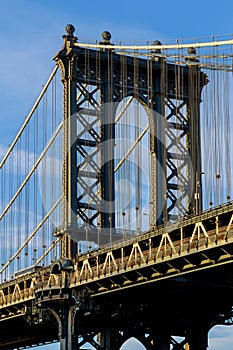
[
  {"x": 221, "y": 338},
  {"x": 132, "y": 344},
  {"x": 132, "y": 167}
]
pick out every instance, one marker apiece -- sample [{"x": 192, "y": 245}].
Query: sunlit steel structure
[{"x": 165, "y": 285}]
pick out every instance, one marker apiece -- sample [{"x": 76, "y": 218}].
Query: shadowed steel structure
[
  {"x": 123, "y": 139},
  {"x": 95, "y": 82}
]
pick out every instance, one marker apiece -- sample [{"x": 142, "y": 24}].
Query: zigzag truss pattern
[{"x": 193, "y": 244}]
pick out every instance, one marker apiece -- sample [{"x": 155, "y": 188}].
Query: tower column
[
  {"x": 163, "y": 342},
  {"x": 194, "y": 137},
  {"x": 197, "y": 338},
  {"x": 68, "y": 339},
  {"x": 107, "y": 138},
  {"x": 107, "y": 338},
  {"x": 69, "y": 157},
  {"x": 158, "y": 152}
]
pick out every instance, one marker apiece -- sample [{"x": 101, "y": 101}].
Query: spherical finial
[
  {"x": 157, "y": 43},
  {"x": 70, "y": 29},
  {"x": 106, "y": 36},
  {"x": 191, "y": 59},
  {"x": 191, "y": 51},
  {"x": 69, "y": 38}
]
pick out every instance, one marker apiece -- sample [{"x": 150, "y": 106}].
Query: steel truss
[
  {"x": 95, "y": 82},
  {"x": 174, "y": 279},
  {"x": 148, "y": 278}
]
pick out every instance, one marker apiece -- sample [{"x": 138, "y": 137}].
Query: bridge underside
[
  {"x": 21, "y": 332},
  {"x": 186, "y": 307},
  {"x": 153, "y": 313}
]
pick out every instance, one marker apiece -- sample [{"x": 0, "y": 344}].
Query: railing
[{"x": 101, "y": 263}]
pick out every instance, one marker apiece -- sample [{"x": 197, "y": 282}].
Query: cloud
[{"x": 21, "y": 161}]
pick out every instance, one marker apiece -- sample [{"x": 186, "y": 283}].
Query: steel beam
[
  {"x": 69, "y": 157},
  {"x": 194, "y": 138},
  {"x": 107, "y": 80},
  {"x": 107, "y": 144},
  {"x": 68, "y": 339},
  {"x": 197, "y": 337}
]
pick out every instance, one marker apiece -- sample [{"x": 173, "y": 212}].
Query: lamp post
[
  {"x": 218, "y": 188},
  {"x": 98, "y": 232},
  {"x": 198, "y": 192},
  {"x": 110, "y": 225},
  {"x": 137, "y": 221},
  {"x": 123, "y": 225}
]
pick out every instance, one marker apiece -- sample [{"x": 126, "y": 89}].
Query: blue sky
[{"x": 30, "y": 35}]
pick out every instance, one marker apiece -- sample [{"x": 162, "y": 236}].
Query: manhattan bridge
[{"x": 116, "y": 219}]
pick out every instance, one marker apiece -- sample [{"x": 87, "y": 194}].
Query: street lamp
[
  {"x": 218, "y": 187},
  {"x": 110, "y": 224},
  {"x": 198, "y": 192},
  {"x": 137, "y": 221},
  {"x": 123, "y": 225}
]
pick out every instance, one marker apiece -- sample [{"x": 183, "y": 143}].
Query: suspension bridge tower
[{"x": 96, "y": 79}]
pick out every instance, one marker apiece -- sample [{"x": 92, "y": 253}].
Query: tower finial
[
  {"x": 191, "y": 58},
  {"x": 69, "y": 38},
  {"x": 106, "y": 39},
  {"x": 70, "y": 30},
  {"x": 157, "y": 43}
]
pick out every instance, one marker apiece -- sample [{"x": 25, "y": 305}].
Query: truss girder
[
  {"x": 176, "y": 251},
  {"x": 191, "y": 245},
  {"x": 88, "y": 145},
  {"x": 178, "y": 159}
]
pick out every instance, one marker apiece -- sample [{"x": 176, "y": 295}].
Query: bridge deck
[{"x": 151, "y": 265}]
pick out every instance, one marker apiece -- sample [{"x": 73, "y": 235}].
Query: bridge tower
[{"x": 95, "y": 81}]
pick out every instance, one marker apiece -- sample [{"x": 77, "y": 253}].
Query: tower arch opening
[{"x": 132, "y": 343}]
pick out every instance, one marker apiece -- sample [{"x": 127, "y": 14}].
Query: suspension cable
[
  {"x": 31, "y": 235},
  {"x": 156, "y": 47},
  {"x": 29, "y": 116},
  {"x": 31, "y": 172}
]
